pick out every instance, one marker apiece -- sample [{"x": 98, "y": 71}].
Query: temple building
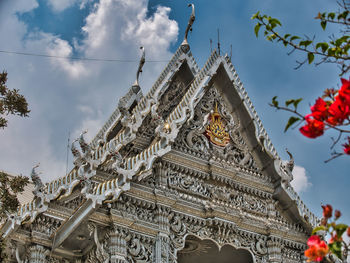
[{"x": 185, "y": 173}]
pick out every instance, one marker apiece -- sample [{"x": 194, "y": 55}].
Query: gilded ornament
[{"x": 215, "y": 131}]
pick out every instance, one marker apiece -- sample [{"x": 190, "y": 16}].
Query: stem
[
  {"x": 336, "y": 141},
  {"x": 335, "y": 22},
  {"x": 335, "y": 155},
  {"x": 288, "y": 109},
  {"x": 315, "y": 52},
  {"x": 303, "y": 117}
]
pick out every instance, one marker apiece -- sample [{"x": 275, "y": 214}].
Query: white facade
[{"x": 155, "y": 186}]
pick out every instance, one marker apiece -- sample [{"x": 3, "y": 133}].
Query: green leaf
[
  {"x": 256, "y": 15},
  {"x": 310, "y": 57},
  {"x": 256, "y": 29},
  {"x": 288, "y": 102},
  {"x": 275, "y": 21},
  {"x": 290, "y": 122},
  {"x": 340, "y": 229},
  {"x": 286, "y": 36},
  {"x": 305, "y": 43},
  {"x": 323, "y": 45},
  {"x": 294, "y": 38},
  {"x": 323, "y": 24},
  {"x": 331, "y": 16},
  {"x": 271, "y": 37},
  {"x": 343, "y": 15},
  {"x": 296, "y": 102},
  {"x": 274, "y": 101},
  {"x": 319, "y": 228},
  {"x": 335, "y": 248}
]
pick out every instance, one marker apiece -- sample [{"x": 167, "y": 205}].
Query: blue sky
[{"x": 68, "y": 96}]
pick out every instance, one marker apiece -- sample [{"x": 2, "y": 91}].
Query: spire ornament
[
  {"x": 185, "y": 46},
  {"x": 139, "y": 70}
]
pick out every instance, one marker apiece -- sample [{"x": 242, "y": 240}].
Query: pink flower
[{"x": 317, "y": 249}]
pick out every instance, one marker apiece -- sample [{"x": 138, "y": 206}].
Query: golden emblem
[{"x": 215, "y": 131}]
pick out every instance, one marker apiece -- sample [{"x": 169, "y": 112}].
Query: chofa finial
[
  {"x": 139, "y": 70},
  {"x": 290, "y": 163},
  {"x": 189, "y": 27}
]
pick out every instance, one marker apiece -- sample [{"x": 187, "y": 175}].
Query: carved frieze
[
  {"x": 72, "y": 203},
  {"x": 135, "y": 209},
  {"x": 220, "y": 194},
  {"x": 45, "y": 225}
]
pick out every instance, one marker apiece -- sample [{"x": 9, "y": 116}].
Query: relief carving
[
  {"x": 213, "y": 120},
  {"x": 222, "y": 232}
]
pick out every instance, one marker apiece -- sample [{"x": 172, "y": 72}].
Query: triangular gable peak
[
  {"x": 127, "y": 123},
  {"x": 257, "y": 153},
  {"x": 180, "y": 60},
  {"x": 218, "y": 72}
]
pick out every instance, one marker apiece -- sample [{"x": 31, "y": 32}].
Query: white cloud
[
  {"x": 66, "y": 95},
  {"x": 300, "y": 182},
  {"x": 91, "y": 123},
  {"x": 60, "y": 5},
  {"x": 61, "y": 48}
]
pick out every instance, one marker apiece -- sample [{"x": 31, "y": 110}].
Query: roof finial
[
  {"x": 139, "y": 70},
  {"x": 290, "y": 163},
  {"x": 219, "y": 41},
  {"x": 189, "y": 28}
]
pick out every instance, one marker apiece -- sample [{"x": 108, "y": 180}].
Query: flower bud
[
  {"x": 327, "y": 211},
  {"x": 348, "y": 231},
  {"x": 337, "y": 214}
]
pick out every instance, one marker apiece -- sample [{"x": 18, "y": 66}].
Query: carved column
[
  {"x": 162, "y": 249},
  {"x": 162, "y": 245},
  {"x": 117, "y": 247},
  {"x": 274, "y": 250},
  {"x": 161, "y": 175},
  {"x": 37, "y": 254}
]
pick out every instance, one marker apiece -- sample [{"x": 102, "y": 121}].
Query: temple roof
[{"x": 109, "y": 151}]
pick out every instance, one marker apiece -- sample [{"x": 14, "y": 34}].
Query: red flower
[
  {"x": 348, "y": 231},
  {"x": 338, "y": 111},
  {"x": 327, "y": 211},
  {"x": 313, "y": 128},
  {"x": 347, "y": 147},
  {"x": 344, "y": 92},
  {"x": 317, "y": 249},
  {"x": 319, "y": 110}
]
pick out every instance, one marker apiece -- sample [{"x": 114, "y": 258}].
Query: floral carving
[{"x": 192, "y": 136}]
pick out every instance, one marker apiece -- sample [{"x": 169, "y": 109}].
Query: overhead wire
[{"x": 77, "y": 58}]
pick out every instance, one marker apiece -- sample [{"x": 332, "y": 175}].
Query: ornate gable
[
  {"x": 187, "y": 166},
  {"x": 214, "y": 133}
]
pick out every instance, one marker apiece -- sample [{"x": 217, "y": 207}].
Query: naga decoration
[
  {"x": 290, "y": 164},
  {"x": 83, "y": 144},
  {"x": 82, "y": 157},
  {"x": 215, "y": 131},
  {"x": 189, "y": 25},
  {"x": 139, "y": 70},
  {"x": 38, "y": 185}
]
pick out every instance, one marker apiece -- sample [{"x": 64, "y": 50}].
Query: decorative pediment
[{"x": 214, "y": 132}]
